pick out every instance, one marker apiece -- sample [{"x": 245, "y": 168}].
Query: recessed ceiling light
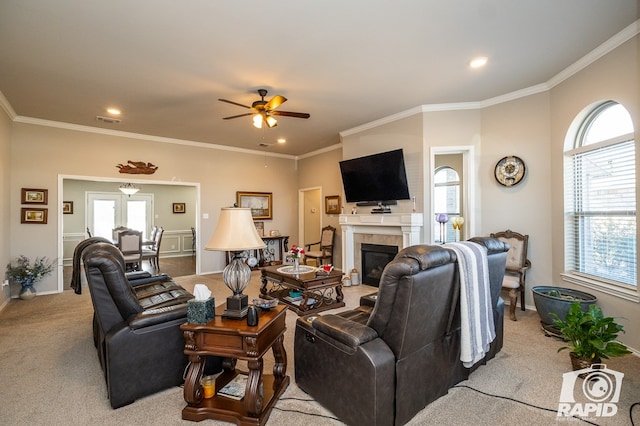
[
  {"x": 282, "y": 140},
  {"x": 113, "y": 111},
  {"x": 478, "y": 62}
]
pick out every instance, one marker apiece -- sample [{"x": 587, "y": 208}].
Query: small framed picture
[
  {"x": 67, "y": 207},
  {"x": 260, "y": 228},
  {"x": 332, "y": 204},
  {"x": 179, "y": 208},
  {"x": 33, "y": 215},
  {"x": 34, "y": 196}
]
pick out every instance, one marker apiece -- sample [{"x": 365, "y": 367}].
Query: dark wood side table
[{"x": 234, "y": 339}]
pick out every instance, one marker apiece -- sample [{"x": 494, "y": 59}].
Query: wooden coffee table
[
  {"x": 233, "y": 339},
  {"x": 318, "y": 292}
]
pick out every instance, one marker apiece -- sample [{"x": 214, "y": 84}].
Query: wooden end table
[
  {"x": 233, "y": 340},
  {"x": 318, "y": 292}
]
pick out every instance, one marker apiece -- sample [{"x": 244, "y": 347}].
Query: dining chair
[
  {"x": 116, "y": 231},
  {"x": 153, "y": 254},
  {"x": 130, "y": 244},
  {"x": 193, "y": 241},
  {"x": 516, "y": 269},
  {"x": 325, "y": 251}
]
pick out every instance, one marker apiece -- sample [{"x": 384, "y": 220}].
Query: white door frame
[
  {"x": 61, "y": 179},
  {"x": 469, "y": 212}
]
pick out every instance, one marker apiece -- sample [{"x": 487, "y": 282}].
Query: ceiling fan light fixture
[
  {"x": 257, "y": 121},
  {"x": 271, "y": 122}
]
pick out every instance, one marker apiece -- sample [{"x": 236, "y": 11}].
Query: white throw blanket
[{"x": 477, "y": 327}]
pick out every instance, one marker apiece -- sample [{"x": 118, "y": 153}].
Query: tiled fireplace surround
[{"x": 395, "y": 229}]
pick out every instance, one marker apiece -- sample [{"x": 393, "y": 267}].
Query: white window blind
[{"x": 600, "y": 212}]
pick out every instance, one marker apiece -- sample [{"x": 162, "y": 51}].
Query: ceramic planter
[{"x": 547, "y": 304}]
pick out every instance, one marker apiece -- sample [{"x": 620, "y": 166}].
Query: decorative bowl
[{"x": 265, "y": 303}]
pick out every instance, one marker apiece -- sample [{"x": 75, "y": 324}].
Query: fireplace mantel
[{"x": 408, "y": 225}]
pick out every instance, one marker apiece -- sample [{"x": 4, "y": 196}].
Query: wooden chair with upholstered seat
[
  {"x": 325, "y": 251},
  {"x": 516, "y": 269}
]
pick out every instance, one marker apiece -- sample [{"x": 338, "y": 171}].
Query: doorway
[
  {"x": 309, "y": 215},
  {"x": 71, "y": 228},
  {"x": 466, "y": 172}
]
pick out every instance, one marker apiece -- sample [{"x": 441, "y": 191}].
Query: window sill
[{"x": 602, "y": 286}]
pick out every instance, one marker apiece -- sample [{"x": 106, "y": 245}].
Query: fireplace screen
[{"x": 374, "y": 258}]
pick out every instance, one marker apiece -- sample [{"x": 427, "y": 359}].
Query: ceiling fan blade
[
  {"x": 237, "y": 116},
  {"x": 234, "y": 103},
  {"x": 275, "y": 102},
  {"x": 291, "y": 114}
]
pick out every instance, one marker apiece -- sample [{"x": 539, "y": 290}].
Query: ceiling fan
[{"x": 264, "y": 111}]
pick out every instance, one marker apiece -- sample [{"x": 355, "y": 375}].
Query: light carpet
[{"x": 50, "y": 374}]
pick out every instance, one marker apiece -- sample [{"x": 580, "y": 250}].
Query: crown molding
[
  {"x": 6, "y": 107},
  {"x": 151, "y": 138},
  {"x": 608, "y": 46}
]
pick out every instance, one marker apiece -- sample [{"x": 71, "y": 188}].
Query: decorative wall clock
[{"x": 510, "y": 170}]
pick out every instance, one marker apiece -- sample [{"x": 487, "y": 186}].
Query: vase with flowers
[
  {"x": 27, "y": 273},
  {"x": 296, "y": 254}
]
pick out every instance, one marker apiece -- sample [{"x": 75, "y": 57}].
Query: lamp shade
[{"x": 235, "y": 231}]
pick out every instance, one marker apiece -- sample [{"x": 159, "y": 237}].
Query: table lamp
[{"x": 236, "y": 233}]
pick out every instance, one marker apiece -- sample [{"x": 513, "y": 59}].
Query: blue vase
[{"x": 27, "y": 291}]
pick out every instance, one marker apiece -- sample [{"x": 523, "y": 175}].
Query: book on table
[{"x": 235, "y": 388}]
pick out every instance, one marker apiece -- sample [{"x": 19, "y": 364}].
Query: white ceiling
[{"x": 165, "y": 63}]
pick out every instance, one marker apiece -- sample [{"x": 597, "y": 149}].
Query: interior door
[{"x": 106, "y": 211}]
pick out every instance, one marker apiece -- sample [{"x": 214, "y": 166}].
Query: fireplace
[{"x": 374, "y": 258}]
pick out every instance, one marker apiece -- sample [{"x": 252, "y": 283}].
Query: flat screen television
[{"x": 379, "y": 178}]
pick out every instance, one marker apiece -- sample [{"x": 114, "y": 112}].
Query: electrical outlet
[{"x": 5, "y": 283}]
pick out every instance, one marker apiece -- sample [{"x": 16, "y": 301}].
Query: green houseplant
[
  {"x": 26, "y": 273},
  {"x": 590, "y": 335}
]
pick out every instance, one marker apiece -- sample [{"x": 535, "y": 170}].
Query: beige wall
[
  {"x": 40, "y": 154},
  {"x": 5, "y": 190},
  {"x": 520, "y": 128}
]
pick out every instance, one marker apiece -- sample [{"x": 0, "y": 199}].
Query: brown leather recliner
[
  {"x": 141, "y": 350},
  {"x": 381, "y": 365}
]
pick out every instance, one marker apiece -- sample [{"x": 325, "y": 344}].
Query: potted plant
[
  {"x": 27, "y": 274},
  {"x": 590, "y": 335}
]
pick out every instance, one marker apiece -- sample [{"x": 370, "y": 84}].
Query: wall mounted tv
[{"x": 379, "y": 178}]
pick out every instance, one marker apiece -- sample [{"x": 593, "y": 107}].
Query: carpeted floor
[{"x": 50, "y": 374}]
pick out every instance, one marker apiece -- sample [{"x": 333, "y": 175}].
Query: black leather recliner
[
  {"x": 381, "y": 365},
  {"x": 141, "y": 350}
]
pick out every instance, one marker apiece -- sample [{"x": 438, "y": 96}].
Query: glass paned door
[{"x": 106, "y": 211}]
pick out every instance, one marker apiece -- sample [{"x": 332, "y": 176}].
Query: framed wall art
[
  {"x": 33, "y": 215},
  {"x": 259, "y": 228},
  {"x": 34, "y": 196},
  {"x": 179, "y": 208},
  {"x": 332, "y": 204},
  {"x": 67, "y": 207},
  {"x": 258, "y": 202}
]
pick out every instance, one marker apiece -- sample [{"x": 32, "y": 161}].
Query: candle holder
[
  {"x": 457, "y": 222},
  {"x": 442, "y": 219}
]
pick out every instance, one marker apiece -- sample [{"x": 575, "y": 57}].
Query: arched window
[
  {"x": 446, "y": 197},
  {"x": 600, "y": 200}
]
